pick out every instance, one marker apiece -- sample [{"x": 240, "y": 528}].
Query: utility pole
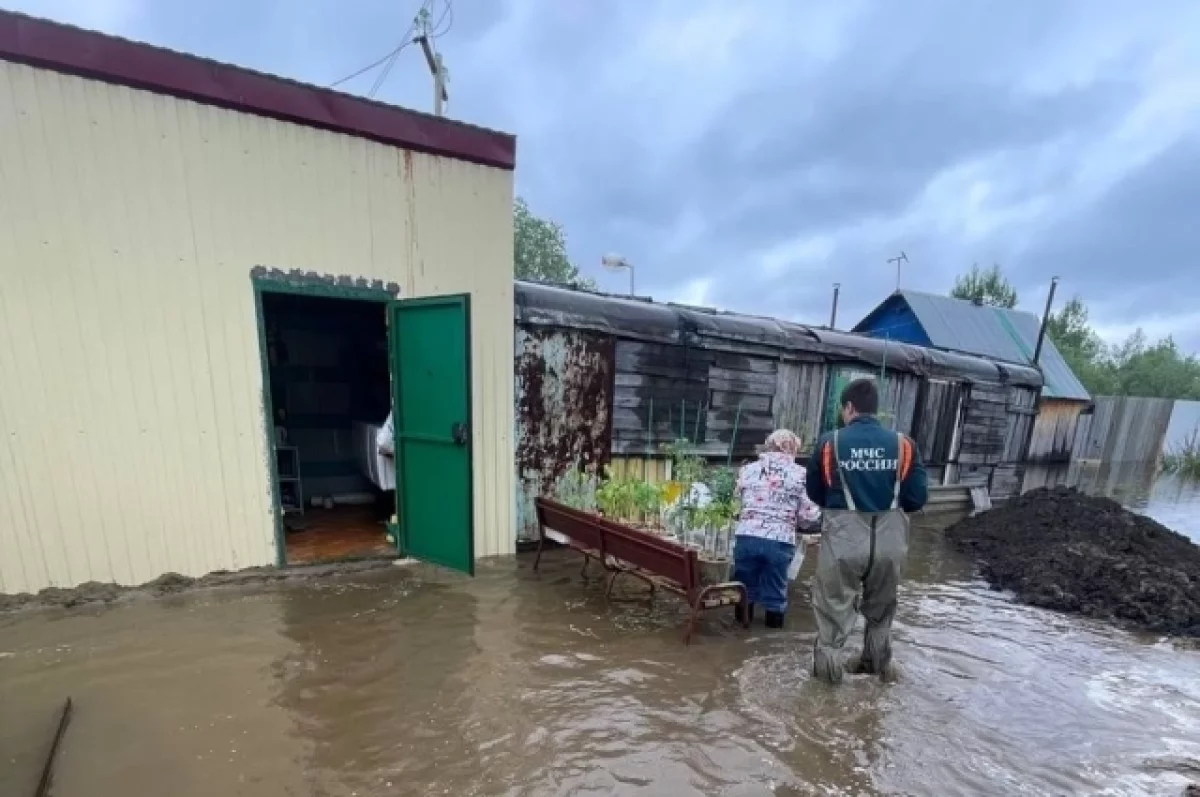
[
  {"x": 837, "y": 287},
  {"x": 901, "y": 258},
  {"x": 433, "y": 59},
  {"x": 1041, "y": 338}
]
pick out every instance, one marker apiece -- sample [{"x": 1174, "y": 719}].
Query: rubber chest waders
[{"x": 858, "y": 550}]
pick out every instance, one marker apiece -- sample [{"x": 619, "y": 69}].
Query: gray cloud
[{"x": 749, "y": 155}]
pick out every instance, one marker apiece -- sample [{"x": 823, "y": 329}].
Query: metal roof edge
[
  {"x": 98, "y": 56},
  {"x": 638, "y": 318}
]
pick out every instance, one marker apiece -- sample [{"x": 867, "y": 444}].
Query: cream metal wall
[{"x": 130, "y": 383}]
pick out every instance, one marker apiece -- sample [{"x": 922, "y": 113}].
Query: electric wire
[{"x": 389, "y": 59}]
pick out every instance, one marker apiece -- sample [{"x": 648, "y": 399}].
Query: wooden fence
[{"x": 1123, "y": 429}]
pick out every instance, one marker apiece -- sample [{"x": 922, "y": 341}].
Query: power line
[
  {"x": 449, "y": 9},
  {"x": 387, "y": 70},
  {"x": 394, "y": 54},
  {"x": 367, "y": 68}
]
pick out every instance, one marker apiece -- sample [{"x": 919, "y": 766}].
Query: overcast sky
[{"x": 750, "y": 154}]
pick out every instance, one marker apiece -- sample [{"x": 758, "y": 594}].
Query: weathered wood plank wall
[
  {"x": 1055, "y": 431},
  {"x": 1124, "y": 429},
  {"x": 725, "y": 401},
  {"x": 659, "y": 396},
  {"x": 741, "y": 405},
  {"x": 800, "y": 399},
  {"x": 938, "y": 406}
]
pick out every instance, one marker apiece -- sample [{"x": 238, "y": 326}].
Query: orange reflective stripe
[
  {"x": 827, "y": 464},
  {"x": 906, "y": 457}
]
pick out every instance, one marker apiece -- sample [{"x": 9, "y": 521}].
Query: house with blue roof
[{"x": 997, "y": 333}]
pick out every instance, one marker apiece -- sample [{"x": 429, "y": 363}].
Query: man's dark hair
[{"x": 862, "y": 395}]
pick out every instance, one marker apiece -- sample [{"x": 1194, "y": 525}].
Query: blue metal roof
[{"x": 993, "y": 332}]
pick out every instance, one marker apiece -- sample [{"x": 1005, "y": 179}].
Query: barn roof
[
  {"x": 64, "y": 48},
  {"x": 643, "y": 319},
  {"x": 994, "y": 332}
]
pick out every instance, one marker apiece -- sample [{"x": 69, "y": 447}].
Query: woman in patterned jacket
[{"x": 774, "y": 504}]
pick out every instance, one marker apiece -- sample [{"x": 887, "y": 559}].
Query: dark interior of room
[{"x": 328, "y": 365}]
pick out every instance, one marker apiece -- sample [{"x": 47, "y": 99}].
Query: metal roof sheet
[
  {"x": 98, "y": 56},
  {"x": 623, "y": 316},
  {"x": 993, "y": 332}
]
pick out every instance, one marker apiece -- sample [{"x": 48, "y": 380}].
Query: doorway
[
  {"x": 368, "y": 405},
  {"x": 329, "y": 377}
]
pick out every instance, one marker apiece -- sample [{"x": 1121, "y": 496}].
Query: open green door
[{"x": 431, "y": 406}]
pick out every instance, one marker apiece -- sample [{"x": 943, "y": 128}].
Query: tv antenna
[{"x": 898, "y": 259}]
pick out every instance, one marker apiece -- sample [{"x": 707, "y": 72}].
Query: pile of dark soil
[{"x": 1060, "y": 549}]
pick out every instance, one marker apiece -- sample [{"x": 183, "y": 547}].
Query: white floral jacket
[{"x": 773, "y": 498}]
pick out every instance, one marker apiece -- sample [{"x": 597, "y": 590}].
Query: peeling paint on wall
[{"x": 564, "y": 383}]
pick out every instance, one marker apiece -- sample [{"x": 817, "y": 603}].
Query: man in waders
[{"x": 865, "y": 477}]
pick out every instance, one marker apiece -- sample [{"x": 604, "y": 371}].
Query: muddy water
[{"x": 408, "y": 682}]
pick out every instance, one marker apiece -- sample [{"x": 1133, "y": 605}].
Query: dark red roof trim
[{"x": 64, "y": 48}]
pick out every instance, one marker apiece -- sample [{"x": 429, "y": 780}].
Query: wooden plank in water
[{"x": 43, "y": 787}]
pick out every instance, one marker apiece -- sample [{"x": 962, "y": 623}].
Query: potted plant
[
  {"x": 648, "y": 503},
  {"x": 577, "y": 489}
]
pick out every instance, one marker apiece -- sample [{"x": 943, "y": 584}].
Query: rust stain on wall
[{"x": 564, "y": 410}]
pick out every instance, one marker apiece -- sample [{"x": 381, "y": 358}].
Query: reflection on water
[
  {"x": 1172, "y": 501},
  {"x": 410, "y": 682}
]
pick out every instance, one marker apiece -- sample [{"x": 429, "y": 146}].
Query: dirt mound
[
  {"x": 174, "y": 583},
  {"x": 1060, "y": 549}
]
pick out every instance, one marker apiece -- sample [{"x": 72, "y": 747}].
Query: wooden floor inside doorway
[{"x": 331, "y": 535}]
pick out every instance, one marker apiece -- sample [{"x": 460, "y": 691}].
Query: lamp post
[{"x": 618, "y": 263}]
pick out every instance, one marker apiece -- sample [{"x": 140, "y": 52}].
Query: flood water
[{"x": 410, "y": 682}]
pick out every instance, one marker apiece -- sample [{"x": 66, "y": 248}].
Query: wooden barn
[{"x": 607, "y": 381}]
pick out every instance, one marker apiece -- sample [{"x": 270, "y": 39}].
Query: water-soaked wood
[
  {"x": 64, "y": 719},
  {"x": 800, "y": 398},
  {"x": 756, "y": 386},
  {"x": 723, "y": 399}
]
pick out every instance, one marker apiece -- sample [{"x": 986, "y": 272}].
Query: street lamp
[{"x": 618, "y": 263}]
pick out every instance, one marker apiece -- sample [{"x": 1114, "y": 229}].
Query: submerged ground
[{"x": 408, "y": 682}]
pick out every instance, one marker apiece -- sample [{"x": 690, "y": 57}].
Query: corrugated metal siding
[
  {"x": 564, "y": 411},
  {"x": 130, "y": 382}
]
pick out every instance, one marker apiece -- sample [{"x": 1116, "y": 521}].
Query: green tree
[
  {"x": 1161, "y": 369},
  {"x": 1132, "y": 368},
  {"x": 1080, "y": 346},
  {"x": 540, "y": 250},
  {"x": 1070, "y": 331},
  {"x": 986, "y": 285}
]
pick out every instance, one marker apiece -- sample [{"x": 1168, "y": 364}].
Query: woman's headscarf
[{"x": 783, "y": 441}]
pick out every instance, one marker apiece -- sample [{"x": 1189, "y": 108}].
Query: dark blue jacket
[{"x": 870, "y": 456}]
